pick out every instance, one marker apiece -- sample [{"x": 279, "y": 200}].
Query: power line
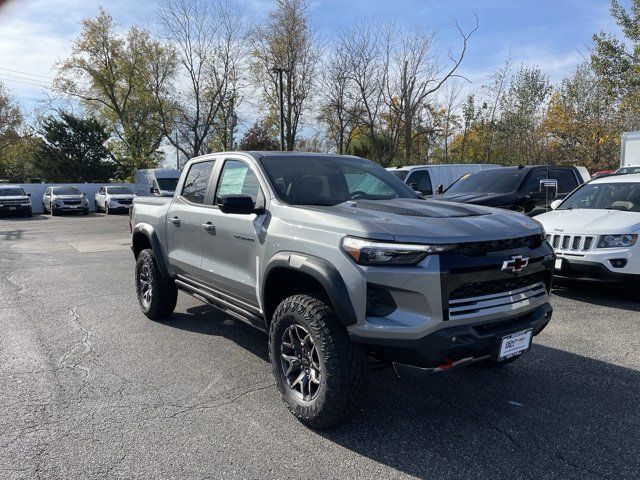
[
  {"x": 19, "y": 77},
  {"x": 27, "y": 73},
  {"x": 9, "y": 79}
]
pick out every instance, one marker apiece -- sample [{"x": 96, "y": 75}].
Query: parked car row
[{"x": 14, "y": 200}]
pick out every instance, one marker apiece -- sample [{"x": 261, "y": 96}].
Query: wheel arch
[
  {"x": 144, "y": 236},
  {"x": 290, "y": 273}
]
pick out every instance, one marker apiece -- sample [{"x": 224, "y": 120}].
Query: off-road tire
[
  {"x": 164, "y": 293},
  {"x": 343, "y": 364}
]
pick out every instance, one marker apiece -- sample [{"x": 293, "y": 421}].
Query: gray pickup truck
[{"x": 339, "y": 261}]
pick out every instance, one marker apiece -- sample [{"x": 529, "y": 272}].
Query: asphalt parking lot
[{"x": 92, "y": 389}]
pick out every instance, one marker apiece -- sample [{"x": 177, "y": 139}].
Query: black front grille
[
  {"x": 478, "y": 289},
  {"x": 480, "y": 248},
  {"x": 72, "y": 202},
  {"x": 125, "y": 202}
]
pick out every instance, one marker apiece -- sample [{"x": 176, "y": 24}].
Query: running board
[{"x": 223, "y": 305}]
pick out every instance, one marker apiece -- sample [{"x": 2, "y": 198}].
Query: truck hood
[
  {"x": 589, "y": 221},
  {"x": 424, "y": 221},
  {"x": 16, "y": 197},
  {"x": 490, "y": 199}
]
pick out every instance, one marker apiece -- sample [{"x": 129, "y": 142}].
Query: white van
[
  {"x": 157, "y": 181},
  {"x": 434, "y": 179}
]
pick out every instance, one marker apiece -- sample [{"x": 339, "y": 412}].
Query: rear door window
[{"x": 197, "y": 182}]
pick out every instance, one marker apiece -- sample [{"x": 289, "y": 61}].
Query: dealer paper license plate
[
  {"x": 558, "y": 263},
  {"x": 515, "y": 343}
]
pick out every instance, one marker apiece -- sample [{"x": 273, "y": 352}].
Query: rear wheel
[
  {"x": 157, "y": 294},
  {"x": 320, "y": 373}
]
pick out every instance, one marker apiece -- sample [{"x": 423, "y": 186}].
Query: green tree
[
  {"x": 17, "y": 159},
  {"x": 74, "y": 150},
  {"x": 258, "y": 137},
  {"x": 10, "y": 120},
  {"x": 109, "y": 73}
]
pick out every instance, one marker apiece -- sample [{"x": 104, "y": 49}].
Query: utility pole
[
  {"x": 279, "y": 71},
  {"x": 177, "y": 153}
]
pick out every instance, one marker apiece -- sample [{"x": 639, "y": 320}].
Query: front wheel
[
  {"x": 320, "y": 373},
  {"x": 157, "y": 294}
]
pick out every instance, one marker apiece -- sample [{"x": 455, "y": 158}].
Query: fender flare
[
  {"x": 149, "y": 232},
  {"x": 320, "y": 270}
]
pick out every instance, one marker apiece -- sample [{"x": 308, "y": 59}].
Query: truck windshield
[
  {"x": 627, "y": 170},
  {"x": 605, "y": 196},
  {"x": 66, "y": 191},
  {"x": 119, "y": 191},
  {"x": 331, "y": 180},
  {"x": 489, "y": 181},
  {"x": 11, "y": 192},
  {"x": 168, "y": 184}
]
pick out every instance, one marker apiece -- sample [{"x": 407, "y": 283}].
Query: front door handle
[
  {"x": 209, "y": 227},
  {"x": 175, "y": 220}
]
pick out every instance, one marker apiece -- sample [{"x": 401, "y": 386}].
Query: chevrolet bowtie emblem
[{"x": 516, "y": 264}]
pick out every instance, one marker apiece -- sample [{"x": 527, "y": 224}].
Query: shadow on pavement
[
  {"x": 621, "y": 296},
  {"x": 551, "y": 414}
]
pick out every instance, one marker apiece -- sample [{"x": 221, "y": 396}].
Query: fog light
[
  {"x": 380, "y": 303},
  {"x": 618, "y": 262}
]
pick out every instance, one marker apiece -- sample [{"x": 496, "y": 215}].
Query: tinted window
[
  {"x": 197, "y": 181},
  {"x": 11, "y": 192},
  {"x": 238, "y": 179},
  {"x": 611, "y": 196},
  {"x": 168, "y": 184},
  {"x": 321, "y": 180},
  {"x": 566, "y": 180},
  {"x": 66, "y": 191},
  {"x": 489, "y": 181},
  {"x": 533, "y": 181},
  {"x": 421, "y": 181},
  {"x": 627, "y": 170}
]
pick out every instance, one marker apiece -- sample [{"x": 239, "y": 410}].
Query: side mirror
[
  {"x": 240, "y": 204},
  {"x": 28, "y": 194},
  {"x": 413, "y": 185},
  {"x": 440, "y": 189},
  {"x": 555, "y": 204},
  {"x": 153, "y": 190}
]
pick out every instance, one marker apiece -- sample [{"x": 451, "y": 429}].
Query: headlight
[
  {"x": 371, "y": 252},
  {"x": 612, "y": 241}
]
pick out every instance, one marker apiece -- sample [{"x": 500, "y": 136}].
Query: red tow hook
[{"x": 448, "y": 363}]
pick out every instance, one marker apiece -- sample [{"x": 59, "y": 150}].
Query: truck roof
[{"x": 440, "y": 165}]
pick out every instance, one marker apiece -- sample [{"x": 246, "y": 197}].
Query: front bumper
[
  {"x": 70, "y": 208},
  {"x": 15, "y": 209},
  {"x": 453, "y": 344},
  {"x": 591, "y": 271}
]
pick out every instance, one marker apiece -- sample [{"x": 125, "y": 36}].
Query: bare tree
[
  {"x": 450, "y": 119},
  {"x": 495, "y": 92},
  {"x": 336, "y": 110},
  {"x": 287, "y": 43},
  {"x": 209, "y": 49},
  {"x": 366, "y": 72}
]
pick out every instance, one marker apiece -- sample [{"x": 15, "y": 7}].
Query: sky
[{"x": 553, "y": 34}]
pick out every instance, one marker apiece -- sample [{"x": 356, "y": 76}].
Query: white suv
[
  {"x": 594, "y": 231},
  {"x": 111, "y": 198}
]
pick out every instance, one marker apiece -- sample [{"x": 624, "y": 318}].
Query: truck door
[
  {"x": 230, "y": 242},
  {"x": 183, "y": 219}
]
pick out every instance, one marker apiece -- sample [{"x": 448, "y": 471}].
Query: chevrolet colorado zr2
[{"x": 338, "y": 261}]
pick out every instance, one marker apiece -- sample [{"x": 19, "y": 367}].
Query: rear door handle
[
  {"x": 209, "y": 227},
  {"x": 175, "y": 220}
]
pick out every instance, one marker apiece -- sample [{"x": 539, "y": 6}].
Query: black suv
[{"x": 527, "y": 189}]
